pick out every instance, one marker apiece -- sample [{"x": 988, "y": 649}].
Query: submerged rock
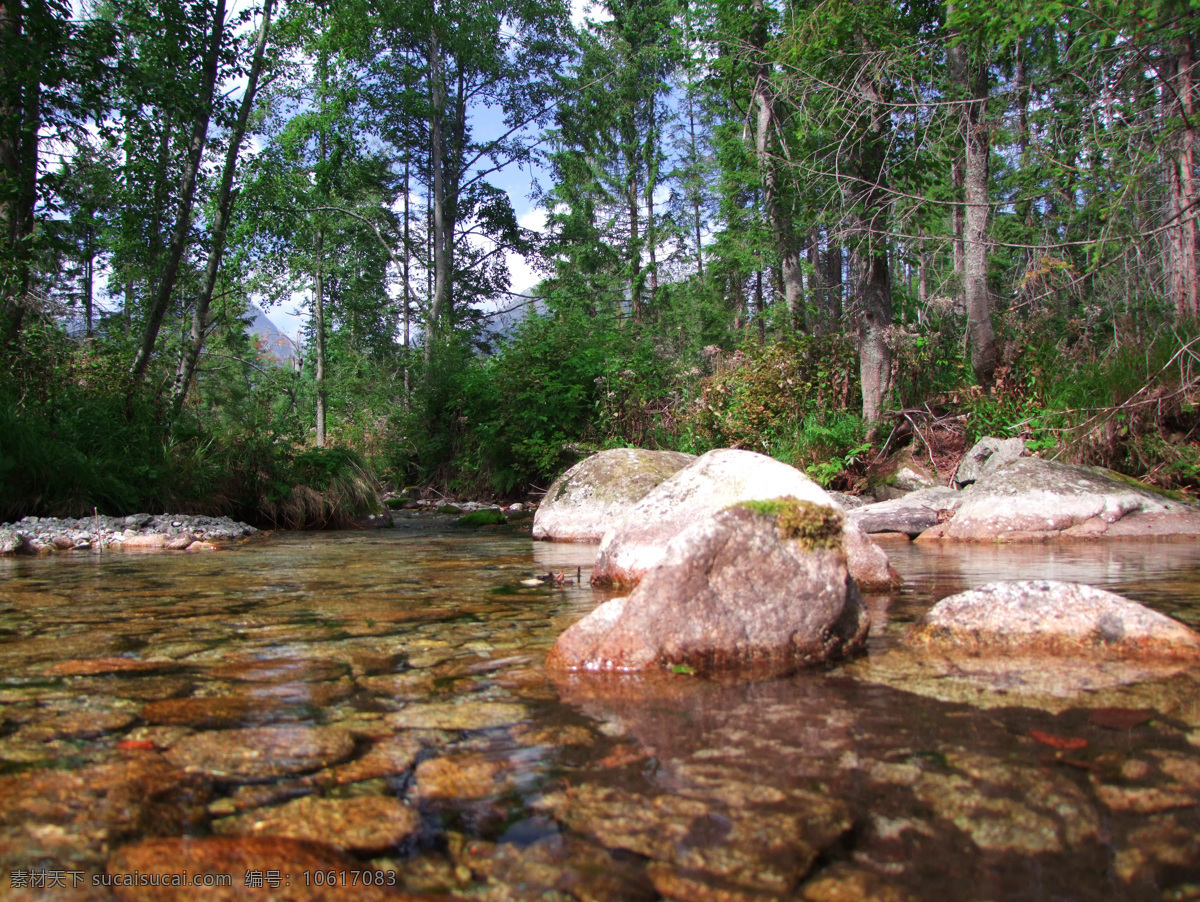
[
  {"x": 1030, "y": 500},
  {"x": 593, "y": 495},
  {"x": 73, "y": 817},
  {"x": 234, "y": 858},
  {"x": 359, "y": 824},
  {"x": 465, "y": 715},
  {"x": 758, "y": 591},
  {"x": 1053, "y": 618},
  {"x": 714, "y": 482},
  {"x": 265, "y": 753}
]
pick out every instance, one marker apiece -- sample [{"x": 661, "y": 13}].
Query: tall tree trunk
[
  {"x": 20, "y": 123},
  {"x": 870, "y": 261},
  {"x": 1183, "y": 200},
  {"x": 696, "y": 194},
  {"x": 190, "y": 356},
  {"x": 651, "y": 155},
  {"x": 441, "y": 274},
  {"x": 319, "y": 329},
  {"x": 834, "y": 292},
  {"x": 179, "y": 237},
  {"x": 407, "y": 276},
  {"x": 766, "y": 129},
  {"x": 970, "y": 73},
  {"x": 89, "y": 258}
]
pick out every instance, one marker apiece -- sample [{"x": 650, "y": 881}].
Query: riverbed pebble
[
  {"x": 251, "y": 755},
  {"x": 362, "y": 824},
  {"x": 138, "y": 531},
  {"x": 238, "y": 856}
]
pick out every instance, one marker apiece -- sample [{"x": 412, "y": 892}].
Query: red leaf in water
[
  {"x": 1119, "y": 718},
  {"x": 1059, "y": 742},
  {"x": 139, "y": 745}
]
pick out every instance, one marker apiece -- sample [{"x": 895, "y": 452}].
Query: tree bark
[
  {"x": 20, "y": 122},
  {"x": 190, "y": 356},
  {"x": 319, "y": 329},
  {"x": 179, "y": 236},
  {"x": 766, "y": 126},
  {"x": 969, "y": 71},
  {"x": 1183, "y": 200},
  {"x": 870, "y": 249},
  {"x": 441, "y": 274}
]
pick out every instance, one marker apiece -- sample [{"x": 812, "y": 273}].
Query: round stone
[
  {"x": 361, "y": 824},
  {"x": 231, "y": 861},
  {"x": 265, "y": 753},
  {"x": 280, "y": 670},
  {"x": 463, "y": 716}
]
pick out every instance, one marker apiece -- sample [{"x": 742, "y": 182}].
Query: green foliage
[
  {"x": 761, "y": 396},
  {"x": 829, "y": 445}
]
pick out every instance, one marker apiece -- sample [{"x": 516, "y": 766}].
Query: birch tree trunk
[
  {"x": 441, "y": 274},
  {"x": 763, "y": 103},
  {"x": 190, "y": 356},
  {"x": 179, "y": 236},
  {"x": 969, "y": 72}
]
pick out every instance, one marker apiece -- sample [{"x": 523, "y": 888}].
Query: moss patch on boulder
[
  {"x": 815, "y": 527},
  {"x": 489, "y": 516}
]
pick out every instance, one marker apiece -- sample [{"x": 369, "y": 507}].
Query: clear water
[{"x": 416, "y": 654}]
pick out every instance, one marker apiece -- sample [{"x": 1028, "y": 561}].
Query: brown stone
[
  {"x": 228, "y": 859},
  {"x": 153, "y": 540},
  {"x": 280, "y": 670},
  {"x": 73, "y": 817},
  {"x": 212, "y": 712},
  {"x": 264, "y": 753},
  {"x": 94, "y": 666},
  {"x": 368, "y": 824},
  {"x": 471, "y": 776},
  {"x": 730, "y": 595}
]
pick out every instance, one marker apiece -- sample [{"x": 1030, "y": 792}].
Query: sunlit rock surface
[
  {"x": 1032, "y": 500},
  {"x": 586, "y": 500},
  {"x": 985, "y": 457},
  {"x": 714, "y": 482},
  {"x": 910, "y": 514},
  {"x": 1054, "y": 618},
  {"x": 731, "y": 596}
]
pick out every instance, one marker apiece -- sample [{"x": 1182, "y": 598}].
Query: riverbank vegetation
[{"x": 820, "y": 230}]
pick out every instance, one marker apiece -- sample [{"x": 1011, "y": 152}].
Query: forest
[{"x": 824, "y": 230}]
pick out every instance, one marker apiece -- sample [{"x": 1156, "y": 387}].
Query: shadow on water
[{"x": 385, "y": 691}]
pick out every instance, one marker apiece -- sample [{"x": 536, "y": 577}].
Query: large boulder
[
  {"x": 589, "y": 498},
  {"x": 718, "y": 480},
  {"x": 1051, "y": 618},
  {"x": 910, "y": 514},
  {"x": 985, "y": 457},
  {"x": 1030, "y": 500},
  {"x": 758, "y": 589}
]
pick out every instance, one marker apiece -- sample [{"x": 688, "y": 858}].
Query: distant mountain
[{"x": 272, "y": 344}]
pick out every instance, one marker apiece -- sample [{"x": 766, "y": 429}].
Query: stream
[{"x": 384, "y": 690}]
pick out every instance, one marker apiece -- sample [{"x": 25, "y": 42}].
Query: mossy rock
[
  {"x": 489, "y": 516},
  {"x": 395, "y": 503},
  {"x": 449, "y": 509},
  {"x": 815, "y": 527},
  {"x": 1143, "y": 486}
]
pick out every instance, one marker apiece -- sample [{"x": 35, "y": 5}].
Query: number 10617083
[{"x": 349, "y": 878}]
